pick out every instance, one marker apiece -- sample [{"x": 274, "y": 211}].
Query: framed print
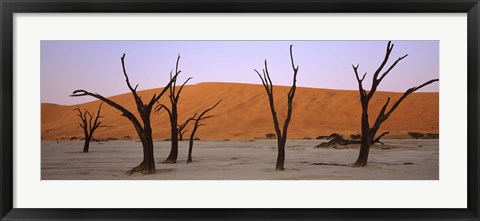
[{"x": 239, "y": 110}]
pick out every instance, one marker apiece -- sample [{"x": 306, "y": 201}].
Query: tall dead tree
[
  {"x": 88, "y": 126},
  {"x": 281, "y": 135},
  {"x": 174, "y": 97},
  {"x": 197, "y": 124},
  {"x": 368, "y": 133},
  {"x": 142, "y": 125}
]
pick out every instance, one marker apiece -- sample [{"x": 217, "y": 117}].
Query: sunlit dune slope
[{"x": 244, "y": 113}]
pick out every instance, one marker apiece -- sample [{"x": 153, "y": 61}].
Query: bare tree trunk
[
  {"x": 190, "y": 149},
  {"x": 86, "y": 145},
  {"x": 280, "y": 156},
  {"x": 172, "y": 157},
  {"x": 148, "y": 154},
  {"x": 365, "y": 141}
]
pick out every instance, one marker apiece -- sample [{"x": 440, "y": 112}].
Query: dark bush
[
  {"x": 416, "y": 135},
  {"x": 355, "y": 136},
  {"x": 323, "y": 137},
  {"x": 270, "y": 136}
]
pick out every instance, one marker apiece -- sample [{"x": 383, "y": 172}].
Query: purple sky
[{"x": 95, "y": 65}]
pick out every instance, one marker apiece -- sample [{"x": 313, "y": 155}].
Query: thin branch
[
  {"x": 125, "y": 112},
  {"x": 291, "y": 94},
  {"x": 184, "y": 124},
  {"x": 201, "y": 117},
  {"x": 408, "y": 92},
  {"x": 377, "y": 140},
  {"x": 167, "y": 87},
  {"x": 161, "y": 106},
  {"x": 363, "y": 93},
  {"x": 391, "y": 67},
  {"x": 181, "y": 88},
  {"x": 263, "y": 81},
  {"x": 267, "y": 75},
  {"x": 385, "y": 59},
  {"x": 209, "y": 109},
  {"x": 138, "y": 100},
  {"x": 381, "y": 115},
  {"x": 177, "y": 72}
]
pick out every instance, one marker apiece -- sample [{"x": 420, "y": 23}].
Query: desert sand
[
  {"x": 244, "y": 113},
  {"x": 398, "y": 159}
]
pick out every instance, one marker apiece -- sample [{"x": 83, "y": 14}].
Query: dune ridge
[{"x": 244, "y": 113}]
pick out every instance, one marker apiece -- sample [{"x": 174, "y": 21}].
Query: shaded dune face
[{"x": 244, "y": 113}]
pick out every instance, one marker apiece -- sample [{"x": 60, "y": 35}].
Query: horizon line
[{"x": 219, "y": 82}]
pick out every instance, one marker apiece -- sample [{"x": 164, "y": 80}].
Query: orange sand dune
[{"x": 244, "y": 113}]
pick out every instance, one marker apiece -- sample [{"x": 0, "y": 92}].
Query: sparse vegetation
[
  {"x": 322, "y": 137},
  {"x": 270, "y": 136},
  {"x": 416, "y": 135},
  {"x": 355, "y": 136}
]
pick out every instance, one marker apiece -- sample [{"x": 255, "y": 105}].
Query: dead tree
[
  {"x": 196, "y": 126},
  {"x": 368, "y": 133},
  {"x": 88, "y": 126},
  {"x": 281, "y": 135},
  {"x": 174, "y": 97},
  {"x": 142, "y": 125}
]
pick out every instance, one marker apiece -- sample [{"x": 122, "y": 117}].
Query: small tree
[
  {"x": 182, "y": 126},
  {"x": 144, "y": 129},
  {"x": 174, "y": 97},
  {"x": 197, "y": 124},
  {"x": 88, "y": 126},
  {"x": 368, "y": 133},
  {"x": 281, "y": 135}
]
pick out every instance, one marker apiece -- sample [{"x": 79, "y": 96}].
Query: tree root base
[
  {"x": 139, "y": 168},
  {"x": 167, "y": 161},
  {"x": 359, "y": 164}
]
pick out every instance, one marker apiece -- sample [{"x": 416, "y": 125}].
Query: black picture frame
[{"x": 9, "y": 7}]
